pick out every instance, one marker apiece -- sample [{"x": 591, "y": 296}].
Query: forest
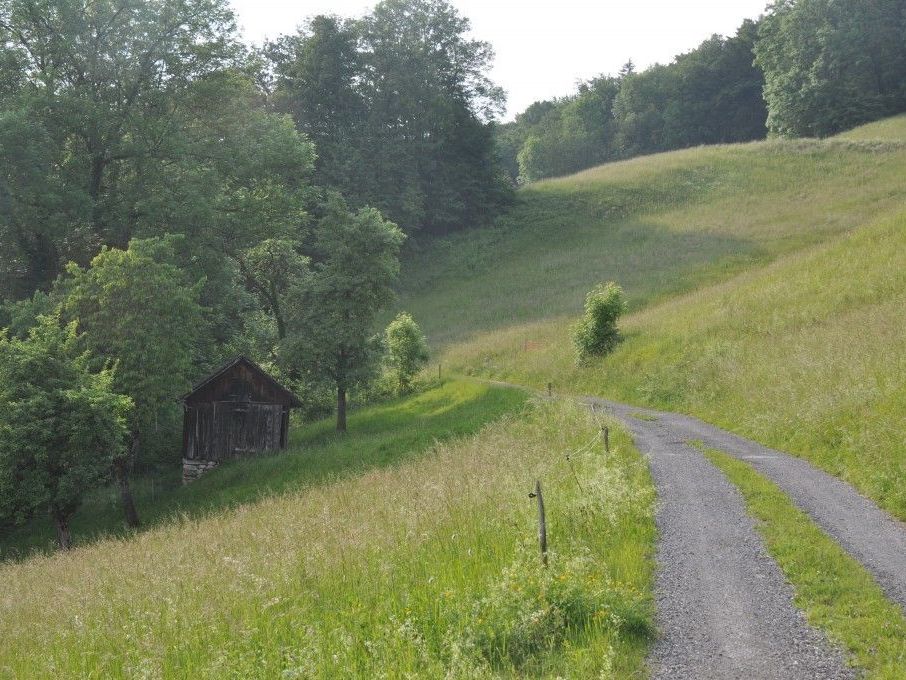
[
  {"x": 171, "y": 197},
  {"x": 807, "y": 68}
]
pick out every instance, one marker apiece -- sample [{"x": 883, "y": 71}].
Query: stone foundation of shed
[{"x": 193, "y": 469}]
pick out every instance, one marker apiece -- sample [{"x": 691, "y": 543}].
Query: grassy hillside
[
  {"x": 425, "y": 567},
  {"x": 884, "y": 130},
  {"x": 382, "y": 435},
  {"x": 659, "y": 225},
  {"x": 792, "y": 331}
]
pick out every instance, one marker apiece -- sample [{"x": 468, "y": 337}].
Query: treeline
[
  {"x": 170, "y": 197},
  {"x": 806, "y": 68}
]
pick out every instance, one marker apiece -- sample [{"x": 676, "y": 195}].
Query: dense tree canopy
[
  {"x": 399, "y": 106},
  {"x": 712, "y": 94},
  {"x": 61, "y": 426},
  {"x": 832, "y": 65}
]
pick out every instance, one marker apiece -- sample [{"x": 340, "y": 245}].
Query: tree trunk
[
  {"x": 341, "y": 408},
  {"x": 121, "y": 472},
  {"x": 64, "y": 539}
]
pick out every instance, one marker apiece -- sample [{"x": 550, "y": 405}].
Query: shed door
[{"x": 254, "y": 428}]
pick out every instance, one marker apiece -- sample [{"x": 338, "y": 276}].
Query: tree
[
  {"x": 832, "y": 65},
  {"x": 356, "y": 262},
  {"x": 272, "y": 269},
  {"x": 133, "y": 119},
  {"x": 136, "y": 308},
  {"x": 407, "y": 350},
  {"x": 596, "y": 333},
  {"x": 104, "y": 81},
  {"x": 61, "y": 426},
  {"x": 400, "y": 105}
]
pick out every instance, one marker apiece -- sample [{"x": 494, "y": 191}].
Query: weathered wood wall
[{"x": 219, "y": 431}]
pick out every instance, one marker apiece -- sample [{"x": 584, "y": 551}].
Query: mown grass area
[
  {"x": 836, "y": 593},
  {"x": 660, "y": 225},
  {"x": 382, "y": 435},
  {"x": 428, "y": 568}
]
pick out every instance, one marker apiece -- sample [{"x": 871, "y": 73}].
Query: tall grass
[
  {"x": 381, "y": 435},
  {"x": 767, "y": 283},
  {"x": 426, "y": 568},
  {"x": 659, "y": 225},
  {"x": 806, "y": 354}
]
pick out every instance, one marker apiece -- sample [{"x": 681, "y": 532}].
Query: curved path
[
  {"x": 724, "y": 609},
  {"x": 864, "y": 530}
]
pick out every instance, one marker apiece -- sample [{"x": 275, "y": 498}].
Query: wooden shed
[{"x": 236, "y": 411}]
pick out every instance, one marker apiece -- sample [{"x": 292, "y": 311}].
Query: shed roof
[{"x": 286, "y": 395}]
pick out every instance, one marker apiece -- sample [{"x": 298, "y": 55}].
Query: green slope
[
  {"x": 792, "y": 328},
  {"x": 659, "y": 225},
  {"x": 421, "y": 566}
]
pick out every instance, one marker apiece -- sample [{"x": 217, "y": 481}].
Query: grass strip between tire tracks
[{"x": 833, "y": 589}]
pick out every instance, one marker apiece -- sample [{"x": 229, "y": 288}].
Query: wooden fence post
[
  {"x": 605, "y": 431},
  {"x": 438, "y": 370},
  {"x": 550, "y": 389},
  {"x": 542, "y": 522}
]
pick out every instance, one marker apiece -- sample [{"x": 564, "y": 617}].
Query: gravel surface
[
  {"x": 724, "y": 609},
  {"x": 864, "y": 530}
]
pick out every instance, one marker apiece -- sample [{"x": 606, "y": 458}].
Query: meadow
[
  {"x": 659, "y": 225},
  {"x": 381, "y": 435},
  {"x": 798, "y": 345},
  {"x": 429, "y": 566}
]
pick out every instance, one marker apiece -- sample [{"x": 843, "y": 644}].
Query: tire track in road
[{"x": 724, "y": 608}]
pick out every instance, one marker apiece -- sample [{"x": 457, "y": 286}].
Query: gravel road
[
  {"x": 865, "y": 531},
  {"x": 724, "y": 609}
]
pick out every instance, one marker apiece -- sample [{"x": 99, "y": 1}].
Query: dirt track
[{"x": 724, "y": 609}]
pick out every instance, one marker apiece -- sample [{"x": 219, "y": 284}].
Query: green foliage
[
  {"x": 61, "y": 426},
  {"x": 407, "y": 350},
  {"x": 135, "y": 308},
  {"x": 830, "y": 66},
  {"x": 130, "y": 119},
  {"x": 405, "y": 85},
  {"x": 596, "y": 334},
  {"x": 272, "y": 269},
  {"x": 330, "y": 323},
  {"x": 712, "y": 94}
]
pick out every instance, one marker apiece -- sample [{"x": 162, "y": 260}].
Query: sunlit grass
[
  {"x": 428, "y": 567},
  {"x": 836, "y": 593},
  {"x": 807, "y": 354},
  {"x": 381, "y": 435},
  {"x": 794, "y": 335},
  {"x": 659, "y": 225}
]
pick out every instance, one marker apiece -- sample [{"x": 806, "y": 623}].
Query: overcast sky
[{"x": 545, "y": 47}]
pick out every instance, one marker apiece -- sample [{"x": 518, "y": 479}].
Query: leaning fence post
[{"x": 542, "y": 522}]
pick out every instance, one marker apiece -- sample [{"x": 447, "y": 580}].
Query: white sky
[{"x": 544, "y": 47}]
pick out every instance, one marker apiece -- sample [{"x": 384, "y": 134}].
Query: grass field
[
  {"x": 793, "y": 334},
  {"x": 428, "y": 566},
  {"x": 659, "y": 225},
  {"x": 382, "y": 435}
]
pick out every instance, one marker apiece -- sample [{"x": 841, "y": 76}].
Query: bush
[
  {"x": 407, "y": 350},
  {"x": 596, "y": 333}
]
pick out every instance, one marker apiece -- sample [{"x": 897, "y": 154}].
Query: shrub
[
  {"x": 596, "y": 333},
  {"x": 407, "y": 350}
]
